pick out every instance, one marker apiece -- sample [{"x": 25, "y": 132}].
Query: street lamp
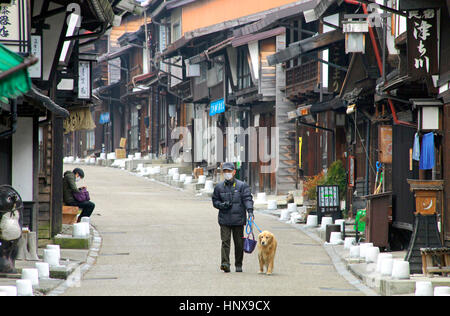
[{"x": 355, "y": 27}]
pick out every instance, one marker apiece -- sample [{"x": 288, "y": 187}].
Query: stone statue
[{"x": 11, "y": 207}]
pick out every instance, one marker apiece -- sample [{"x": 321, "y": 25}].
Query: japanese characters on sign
[
  {"x": 84, "y": 80},
  {"x": 422, "y": 42},
  {"x": 5, "y": 21},
  {"x": 14, "y": 26},
  {"x": 35, "y": 71}
]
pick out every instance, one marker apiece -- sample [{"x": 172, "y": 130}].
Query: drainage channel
[
  {"x": 316, "y": 264},
  {"x": 337, "y": 290},
  {"x": 307, "y": 245},
  {"x": 101, "y": 279},
  {"x": 115, "y": 254}
]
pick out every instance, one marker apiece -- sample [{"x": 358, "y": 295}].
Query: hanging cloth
[
  {"x": 416, "y": 148},
  {"x": 427, "y": 157}
]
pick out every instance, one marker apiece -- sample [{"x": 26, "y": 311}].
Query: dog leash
[{"x": 250, "y": 224}]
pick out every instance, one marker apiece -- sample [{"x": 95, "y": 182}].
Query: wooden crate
[{"x": 435, "y": 260}]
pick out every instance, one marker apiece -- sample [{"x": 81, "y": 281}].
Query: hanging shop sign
[
  {"x": 351, "y": 171},
  {"x": 104, "y": 118},
  {"x": 35, "y": 71},
  {"x": 14, "y": 26},
  {"x": 300, "y": 146},
  {"x": 84, "y": 80},
  {"x": 422, "y": 26},
  {"x": 217, "y": 107},
  {"x": 385, "y": 144}
]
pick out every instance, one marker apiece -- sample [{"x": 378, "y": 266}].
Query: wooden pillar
[
  {"x": 57, "y": 175},
  {"x": 446, "y": 157}
]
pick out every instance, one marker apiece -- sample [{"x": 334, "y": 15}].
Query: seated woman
[{"x": 70, "y": 187}]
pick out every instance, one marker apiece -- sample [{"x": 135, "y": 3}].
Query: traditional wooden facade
[{"x": 59, "y": 35}]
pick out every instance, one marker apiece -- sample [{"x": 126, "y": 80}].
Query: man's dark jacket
[{"x": 240, "y": 195}]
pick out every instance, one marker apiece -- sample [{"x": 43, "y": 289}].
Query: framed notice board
[{"x": 328, "y": 203}]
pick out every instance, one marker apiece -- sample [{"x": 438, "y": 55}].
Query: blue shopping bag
[{"x": 250, "y": 242}]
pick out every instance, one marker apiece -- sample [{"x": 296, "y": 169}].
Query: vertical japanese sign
[
  {"x": 422, "y": 28},
  {"x": 84, "y": 80},
  {"x": 14, "y": 28},
  {"x": 300, "y": 145},
  {"x": 385, "y": 144},
  {"x": 351, "y": 171},
  {"x": 36, "y": 50}
]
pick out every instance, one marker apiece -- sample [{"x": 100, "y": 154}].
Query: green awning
[{"x": 14, "y": 78}]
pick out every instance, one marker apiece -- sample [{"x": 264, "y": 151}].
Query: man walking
[{"x": 233, "y": 199}]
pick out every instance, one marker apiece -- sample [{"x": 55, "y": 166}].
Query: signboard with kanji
[
  {"x": 328, "y": 203},
  {"x": 422, "y": 32},
  {"x": 14, "y": 27}
]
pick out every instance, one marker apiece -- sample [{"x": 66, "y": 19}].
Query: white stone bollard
[
  {"x": 43, "y": 270},
  {"x": 261, "y": 198},
  {"x": 188, "y": 180},
  {"x": 400, "y": 270},
  {"x": 81, "y": 230},
  {"x": 57, "y": 248},
  {"x": 272, "y": 205},
  {"x": 336, "y": 238},
  {"x": 292, "y": 207},
  {"x": 442, "y": 291},
  {"x": 209, "y": 185},
  {"x": 201, "y": 179},
  {"x": 32, "y": 275},
  {"x": 51, "y": 257},
  {"x": 349, "y": 241},
  {"x": 85, "y": 219},
  {"x": 284, "y": 215},
  {"x": 372, "y": 254},
  {"x": 24, "y": 288},
  {"x": 364, "y": 246},
  {"x": 354, "y": 252},
  {"x": 326, "y": 221},
  {"x": 8, "y": 290},
  {"x": 386, "y": 266},
  {"x": 312, "y": 221},
  {"x": 380, "y": 258},
  {"x": 424, "y": 288}
]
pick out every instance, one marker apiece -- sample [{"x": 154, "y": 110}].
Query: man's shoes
[
  {"x": 225, "y": 268},
  {"x": 238, "y": 268}
]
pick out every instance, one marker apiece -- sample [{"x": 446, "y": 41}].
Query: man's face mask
[
  {"x": 228, "y": 176},
  {"x": 77, "y": 179}
]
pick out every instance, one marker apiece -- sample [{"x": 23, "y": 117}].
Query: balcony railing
[{"x": 303, "y": 78}]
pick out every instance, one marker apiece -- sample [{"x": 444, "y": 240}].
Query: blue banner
[
  {"x": 217, "y": 107},
  {"x": 104, "y": 118}
]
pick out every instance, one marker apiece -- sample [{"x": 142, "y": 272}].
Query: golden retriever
[{"x": 267, "y": 247}]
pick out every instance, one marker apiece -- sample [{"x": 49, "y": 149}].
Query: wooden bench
[
  {"x": 70, "y": 214},
  {"x": 435, "y": 260}
]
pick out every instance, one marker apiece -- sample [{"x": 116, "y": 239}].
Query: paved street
[{"x": 161, "y": 241}]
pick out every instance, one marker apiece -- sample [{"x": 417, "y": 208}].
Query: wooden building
[{"x": 57, "y": 33}]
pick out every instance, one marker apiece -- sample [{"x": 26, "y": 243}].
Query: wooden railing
[{"x": 302, "y": 78}]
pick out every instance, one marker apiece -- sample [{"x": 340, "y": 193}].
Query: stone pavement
[{"x": 135, "y": 229}]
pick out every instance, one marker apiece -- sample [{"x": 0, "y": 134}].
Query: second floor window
[{"x": 243, "y": 69}]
